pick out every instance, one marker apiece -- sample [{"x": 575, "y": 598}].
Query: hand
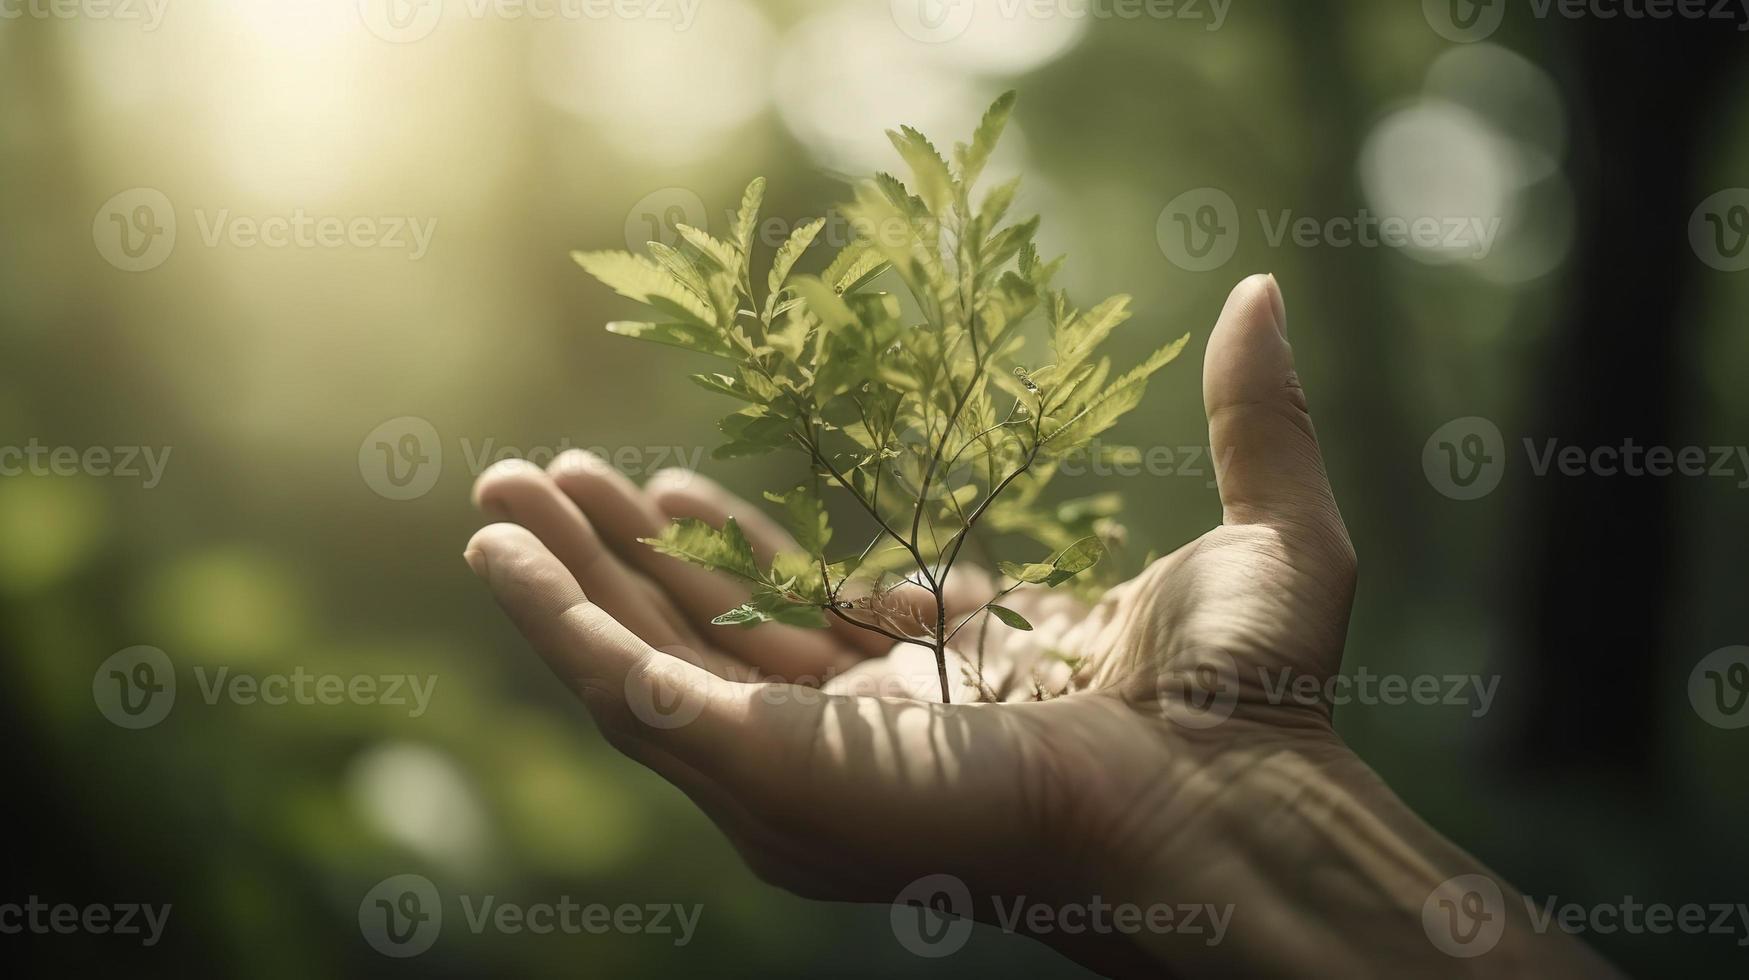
[{"x": 1165, "y": 775}]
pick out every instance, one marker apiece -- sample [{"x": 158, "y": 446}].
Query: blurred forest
[{"x": 269, "y": 544}]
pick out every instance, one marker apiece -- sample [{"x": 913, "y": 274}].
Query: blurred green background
[{"x": 271, "y": 544}]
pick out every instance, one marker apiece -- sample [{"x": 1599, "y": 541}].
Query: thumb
[{"x": 1267, "y": 461}]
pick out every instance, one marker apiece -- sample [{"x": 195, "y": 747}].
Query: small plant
[{"x": 916, "y": 406}]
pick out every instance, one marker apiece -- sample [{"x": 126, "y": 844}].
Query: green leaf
[
  {"x": 1032, "y": 573},
  {"x": 770, "y": 606},
  {"x": 1074, "y": 560},
  {"x": 786, "y": 257},
  {"x": 689, "y": 336},
  {"x": 748, "y": 217},
  {"x": 724, "y": 384},
  {"x": 825, "y": 304},
  {"x": 934, "y": 182},
  {"x": 1077, "y": 339},
  {"x": 1009, "y": 617},
  {"x": 1112, "y": 403},
  {"x": 853, "y": 267},
  {"x": 753, "y": 434},
  {"x": 721, "y": 253},
  {"x": 641, "y": 279},
  {"x": 798, "y": 572},
  {"x": 972, "y": 158},
  {"x": 805, "y": 516},
  {"x": 722, "y": 550}
]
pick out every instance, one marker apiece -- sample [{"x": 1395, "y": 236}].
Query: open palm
[{"x": 856, "y": 781}]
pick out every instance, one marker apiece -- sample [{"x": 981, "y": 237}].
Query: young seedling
[{"x": 916, "y": 407}]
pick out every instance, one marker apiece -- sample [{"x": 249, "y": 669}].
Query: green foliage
[{"x": 917, "y": 404}]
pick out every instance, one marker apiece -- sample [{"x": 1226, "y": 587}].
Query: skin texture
[{"x": 1166, "y": 776}]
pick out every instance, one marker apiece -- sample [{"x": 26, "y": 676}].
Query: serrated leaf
[
  {"x": 722, "y": 550},
  {"x": 786, "y": 257},
  {"x": 1113, "y": 403},
  {"x": 934, "y": 181},
  {"x": 826, "y": 305},
  {"x": 689, "y": 336},
  {"x": 771, "y": 606},
  {"x": 805, "y": 517},
  {"x": 752, "y": 435},
  {"x": 724, "y": 384},
  {"x": 798, "y": 572},
  {"x": 1009, "y": 617},
  {"x": 721, "y": 253},
  {"x": 989, "y": 132},
  {"x": 639, "y": 278},
  {"x": 748, "y": 217},
  {"x": 1079, "y": 337},
  {"x": 854, "y": 266}
]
